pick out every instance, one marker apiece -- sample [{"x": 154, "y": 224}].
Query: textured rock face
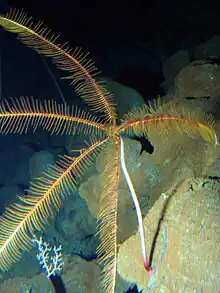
[
  {"x": 173, "y": 65},
  {"x": 198, "y": 80},
  {"x": 78, "y": 276},
  {"x": 125, "y": 97},
  {"x": 188, "y": 243}
]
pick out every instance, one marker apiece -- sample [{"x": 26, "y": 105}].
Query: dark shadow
[
  {"x": 160, "y": 220},
  {"x": 58, "y": 284}
]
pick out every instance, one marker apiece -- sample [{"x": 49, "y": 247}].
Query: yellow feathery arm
[
  {"x": 16, "y": 115},
  {"x": 21, "y": 220},
  {"x": 167, "y": 118},
  {"x": 82, "y": 69},
  {"x": 107, "y": 218}
]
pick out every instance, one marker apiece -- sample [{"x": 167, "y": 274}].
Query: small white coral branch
[{"x": 51, "y": 259}]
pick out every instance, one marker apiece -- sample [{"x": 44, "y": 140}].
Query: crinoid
[{"x": 44, "y": 197}]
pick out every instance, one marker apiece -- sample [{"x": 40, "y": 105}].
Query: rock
[
  {"x": 77, "y": 228},
  {"x": 173, "y": 65},
  {"x": 78, "y": 276},
  {"x": 198, "y": 80},
  {"x": 39, "y": 162},
  {"x": 126, "y": 98},
  {"x": 210, "y": 48},
  {"x": 8, "y": 195},
  {"x": 186, "y": 245},
  {"x": 22, "y": 174}
]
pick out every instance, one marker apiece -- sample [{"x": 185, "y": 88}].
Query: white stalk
[{"x": 136, "y": 204}]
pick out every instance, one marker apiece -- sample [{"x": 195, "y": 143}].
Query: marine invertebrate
[{"x": 44, "y": 197}]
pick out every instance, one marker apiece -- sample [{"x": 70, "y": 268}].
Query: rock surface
[{"x": 187, "y": 243}]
